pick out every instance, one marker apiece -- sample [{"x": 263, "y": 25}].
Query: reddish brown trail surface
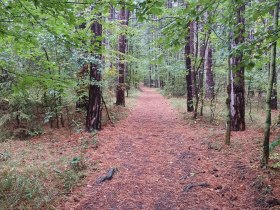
[{"x": 165, "y": 163}]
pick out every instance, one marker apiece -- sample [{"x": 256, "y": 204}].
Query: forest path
[{"x": 158, "y": 155}]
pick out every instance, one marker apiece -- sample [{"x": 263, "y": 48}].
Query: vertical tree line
[
  {"x": 94, "y": 112},
  {"x": 122, "y": 46},
  {"x": 272, "y": 76},
  {"x": 188, "y": 63},
  {"x": 237, "y": 74}
]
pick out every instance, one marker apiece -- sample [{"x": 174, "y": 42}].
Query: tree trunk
[
  {"x": 274, "y": 93},
  {"x": 274, "y": 87},
  {"x": 189, "y": 71},
  {"x": 122, "y": 48},
  {"x": 93, "y": 119},
  {"x": 228, "y": 100},
  {"x": 265, "y": 157},
  {"x": 210, "y": 84},
  {"x": 193, "y": 54},
  {"x": 202, "y": 66},
  {"x": 203, "y": 47},
  {"x": 238, "y": 86},
  {"x": 127, "y": 14}
]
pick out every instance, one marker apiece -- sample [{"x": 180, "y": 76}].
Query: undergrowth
[
  {"x": 216, "y": 113},
  {"x": 119, "y": 112},
  {"x": 38, "y": 174},
  {"x": 34, "y": 187},
  {"x": 255, "y": 118}
]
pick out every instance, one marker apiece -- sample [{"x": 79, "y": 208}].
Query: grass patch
[
  {"x": 36, "y": 175},
  {"x": 34, "y": 187}
]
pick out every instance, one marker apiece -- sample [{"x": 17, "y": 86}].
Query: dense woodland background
[{"x": 68, "y": 64}]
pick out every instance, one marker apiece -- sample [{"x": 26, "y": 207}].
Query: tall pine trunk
[
  {"x": 272, "y": 68},
  {"x": 93, "y": 119},
  {"x": 238, "y": 85},
  {"x": 193, "y": 55},
  {"x": 229, "y": 86},
  {"x": 189, "y": 71},
  {"x": 210, "y": 83},
  {"x": 274, "y": 87},
  {"x": 120, "y": 100}
]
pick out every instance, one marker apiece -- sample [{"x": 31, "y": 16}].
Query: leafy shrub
[{"x": 78, "y": 164}]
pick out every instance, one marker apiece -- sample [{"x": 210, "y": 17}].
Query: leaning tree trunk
[
  {"x": 265, "y": 157},
  {"x": 120, "y": 96},
  {"x": 189, "y": 71},
  {"x": 93, "y": 119},
  {"x": 238, "y": 85}
]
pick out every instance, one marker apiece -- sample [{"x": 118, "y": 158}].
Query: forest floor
[{"x": 164, "y": 162}]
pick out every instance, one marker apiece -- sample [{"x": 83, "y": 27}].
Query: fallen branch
[
  {"x": 108, "y": 176},
  {"x": 103, "y": 101},
  {"x": 190, "y": 186}
]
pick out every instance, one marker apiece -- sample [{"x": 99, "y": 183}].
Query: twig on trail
[
  {"x": 190, "y": 186},
  {"x": 195, "y": 173},
  {"x": 103, "y": 101},
  {"x": 108, "y": 176}
]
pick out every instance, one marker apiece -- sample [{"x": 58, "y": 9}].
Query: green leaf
[{"x": 156, "y": 11}]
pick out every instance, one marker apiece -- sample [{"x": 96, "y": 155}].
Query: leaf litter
[{"x": 153, "y": 148}]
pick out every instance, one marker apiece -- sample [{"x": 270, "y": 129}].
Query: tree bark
[
  {"x": 202, "y": 66},
  {"x": 93, "y": 119},
  {"x": 193, "y": 55},
  {"x": 274, "y": 87},
  {"x": 120, "y": 99},
  {"x": 265, "y": 157},
  {"x": 203, "y": 48},
  {"x": 238, "y": 85},
  {"x": 274, "y": 93},
  {"x": 228, "y": 100},
  {"x": 210, "y": 83},
  {"x": 188, "y": 64}
]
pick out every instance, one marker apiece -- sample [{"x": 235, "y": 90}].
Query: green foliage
[
  {"x": 78, "y": 163},
  {"x": 44, "y": 43},
  {"x": 4, "y": 156},
  {"x": 69, "y": 179},
  {"x": 176, "y": 85},
  {"x": 274, "y": 144},
  {"x": 27, "y": 189},
  {"x": 24, "y": 189},
  {"x": 275, "y": 156}
]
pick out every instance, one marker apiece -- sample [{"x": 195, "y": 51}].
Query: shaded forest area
[{"x": 69, "y": 69}]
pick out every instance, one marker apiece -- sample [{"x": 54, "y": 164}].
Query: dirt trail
[{"x": 158, "y": 155}]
